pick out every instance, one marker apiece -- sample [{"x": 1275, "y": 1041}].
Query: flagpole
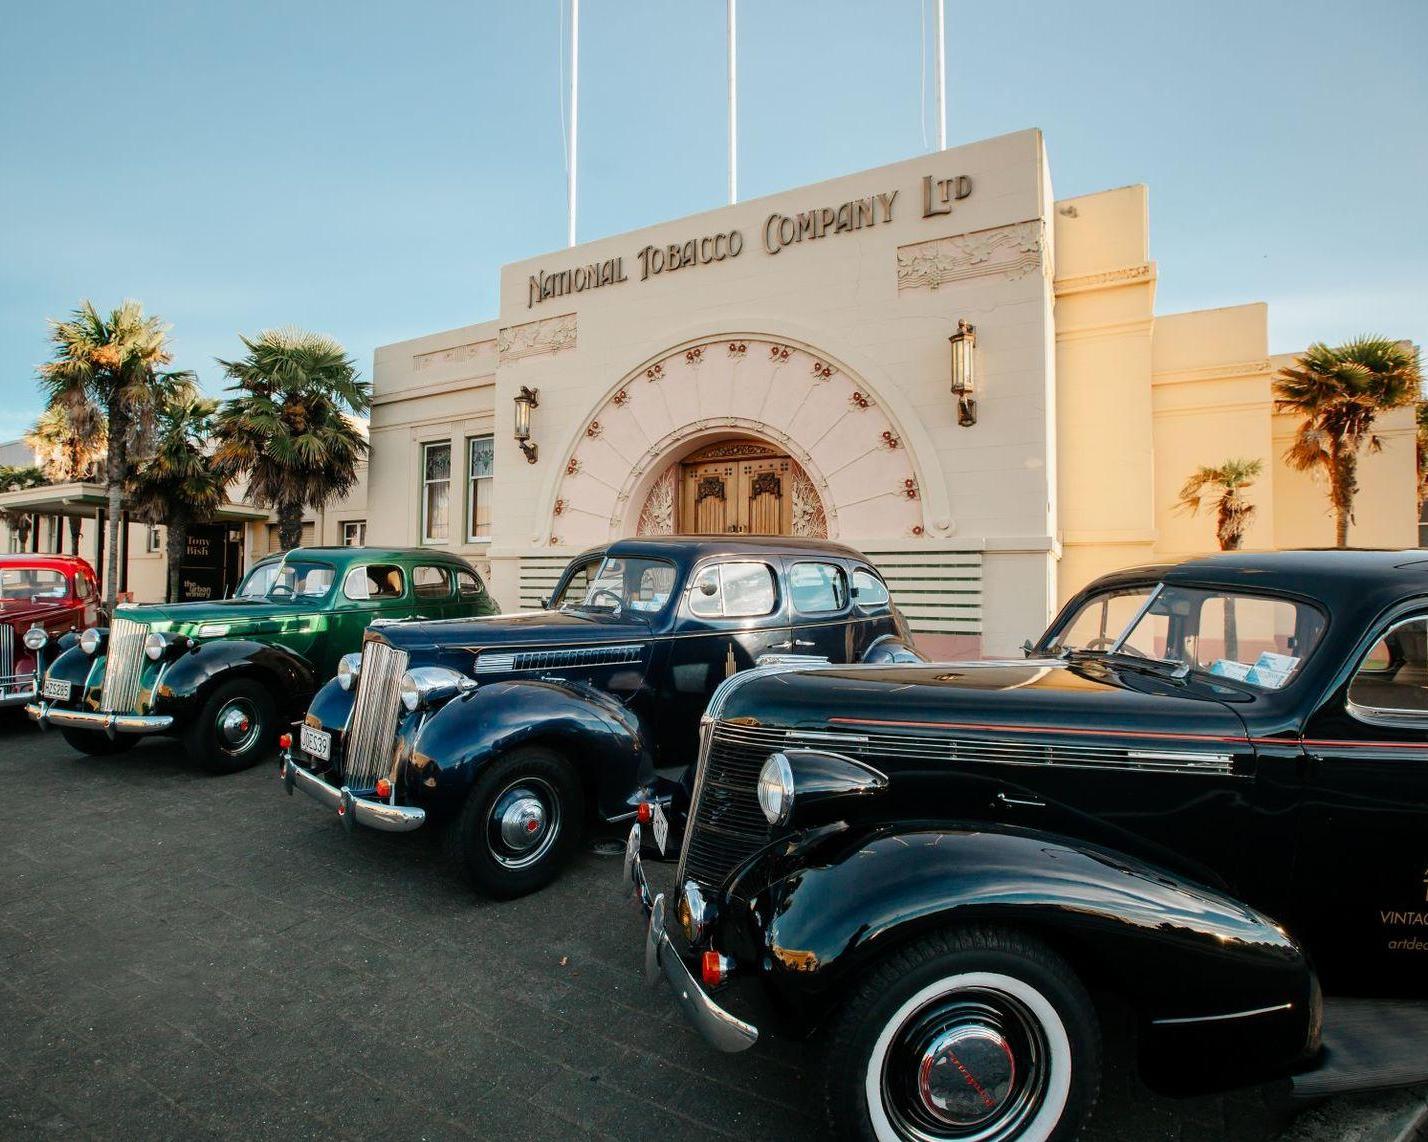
[
  {"x": 941, "y": 76},
  {"x": 574, "y": 110},
  {"x": 733, "y": 109}
]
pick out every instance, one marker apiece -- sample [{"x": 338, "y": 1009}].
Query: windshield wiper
[{"x": 1165, "y": 667}]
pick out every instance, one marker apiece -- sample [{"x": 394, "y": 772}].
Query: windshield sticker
[
  {"x": 1226, "y": 668},
  {"x": 1272, "y": 670}
]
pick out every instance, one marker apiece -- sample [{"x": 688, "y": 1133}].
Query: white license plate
[
  {"x": 661, "y": 827},
  {"x": 57, "y": 688},
  {"x": 316, "y": 742}
]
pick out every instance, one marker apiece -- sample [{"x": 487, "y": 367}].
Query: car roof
[
  {"x": 701, "y": 546},
  {"x": 48, "y": 561},
  {"x": 342, "y": 553}
]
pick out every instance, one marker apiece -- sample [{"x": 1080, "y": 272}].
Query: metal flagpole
[
  {"x": 574, "y": 109},
  {"x": 941, "y": 76},
  {"x": 733, "y": 109}
]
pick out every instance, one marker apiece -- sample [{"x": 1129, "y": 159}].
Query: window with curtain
[
  {"x": 436, "y": 493},
  {"x": 481, "y": 454}
]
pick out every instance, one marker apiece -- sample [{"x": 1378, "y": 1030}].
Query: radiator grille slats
[
  {"x": 7, "y": 650},
  {"x": 123, "y": 667},
  {"x": 372, "y": 731}
]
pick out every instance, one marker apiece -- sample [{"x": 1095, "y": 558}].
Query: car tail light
[
  {"x": 285, "y": 741},
  {"x": 643, "y": 813},
  {"x": 384, "y": 788},
  {"x": 715, "y": 968}
]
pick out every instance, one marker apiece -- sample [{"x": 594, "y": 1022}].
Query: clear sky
[{"x": 364, "y": 168}]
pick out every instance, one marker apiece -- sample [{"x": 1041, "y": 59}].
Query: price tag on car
[
  {"x": 316, "y": 742},
  {"x": 57, "y": 688},
  {"x": 661, "y": 827}
]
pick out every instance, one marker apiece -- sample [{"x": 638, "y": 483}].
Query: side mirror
[
  {"x": 707, "y": 588},
  {"x": 546, "y": 602},
  {"x": 1027, "y": 647}
]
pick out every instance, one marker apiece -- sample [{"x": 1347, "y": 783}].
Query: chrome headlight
[
  {"x": 156, "y": 645},
  {"x": 349, "y": 666},
  {"x": 89, "y": 641},
  {"x": 36, "y": 638},
  {"x": 776, "y": 789},
  {"x": 426, "y": 685}
]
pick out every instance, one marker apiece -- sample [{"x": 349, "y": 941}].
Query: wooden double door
[{"x": 736, "y": 488}]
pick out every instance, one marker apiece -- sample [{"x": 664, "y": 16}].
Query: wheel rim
[
  {"x": 971, "y": 1060},
  {"x": 238, "y": 725},
  {"x": 523, "y": 823}
]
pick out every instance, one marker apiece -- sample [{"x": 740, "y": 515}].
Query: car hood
[
  {"x": 526, "y": 629},
  {"x": 224, "y": 618},
  {"x": 1035, "y": 696},
  {"x": 20, "y": 613}
]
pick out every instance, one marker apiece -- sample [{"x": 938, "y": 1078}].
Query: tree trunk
[
  {"x": 289, "y": 525},
  {"x": 115, "y": 471},
  {"x": 1232, "y": 630},
  {"x": 176, "y": 543},
  {"x": 76, "y": 525},
  {"x": 1341, "y": 490}
]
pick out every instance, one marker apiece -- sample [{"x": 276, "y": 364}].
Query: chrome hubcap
[
  {"x": 524, "y": 823},
  {"x": 237, "y": 726},
  {"x": 966, "y": 1075}
]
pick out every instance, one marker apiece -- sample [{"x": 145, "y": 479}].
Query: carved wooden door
[
  {"x": 708, "y": 498},
  {"x": 765, "y": 496},
  {"x": 736, "y": 488}
]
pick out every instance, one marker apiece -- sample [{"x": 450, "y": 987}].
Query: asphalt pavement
[{"x": 186, "y": 956}]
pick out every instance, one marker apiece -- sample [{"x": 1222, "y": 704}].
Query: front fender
[
  {"x": 1183, "y": 955},
  {"x": 601, "y": 738},
  {"x": 76, "y": 668},
  {"x": 185, "y": 682}
]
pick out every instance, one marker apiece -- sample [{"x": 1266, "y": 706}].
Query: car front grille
[
  {"x": 123, "y": 666},
  {"x": 7, "y": 650},
  {"x": 372, "y": 730}
]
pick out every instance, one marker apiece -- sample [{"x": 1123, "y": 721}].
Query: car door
[
  {"x": 1361, "y": 876},
  {"x": 821, "y": 618},
  {"x": 432, "y": 593}
]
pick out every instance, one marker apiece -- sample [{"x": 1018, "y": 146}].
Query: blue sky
[{"x": 364, "y": 169}]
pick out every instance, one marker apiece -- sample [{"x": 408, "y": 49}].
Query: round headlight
[
  {"x": 155, "y": 644},
  {"x": 36, "y": 638},
  {"x": 410, "y": 691},
  {"x": 89, "y": 641},
  {"x": 427, "y": 685},
  {"x": 349, "y": 666},
  {"x": 776, "y": 788}
]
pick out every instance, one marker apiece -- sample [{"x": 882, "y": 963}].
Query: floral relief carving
[
  {"x": 809, "y": 518},
  {"x": 654, "y": 373},
  {"x": 738, "y": 348},
  {"x": 694, "y": 356},
  {"x": 594, "y": 430},
  {"x": 572, "y": 466},
  {"x": 917, "y": 531},
  {"x": 657, "y": 516},
  {"x": 548, "y": 335},
  {"x": 1011, "y": 252},
  {"x": 559, "y": 507},
  {"x": 778, "y": 354},
  {"x": 455, "y": 356},
  {"x": 889, "y": 440},
  {"x": 621, "y": 398},
  {"x": 860, "y": 401},
  {"x": 766, "y": 484},
  {"x": 710, "y": 488},
  {"x": 909, "y": 489},
  {"x": 822, "y": 371}
]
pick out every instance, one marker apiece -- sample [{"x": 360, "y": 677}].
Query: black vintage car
[
  {"x": 937, "y": 866},
  {"x": 513, "y": 732}
]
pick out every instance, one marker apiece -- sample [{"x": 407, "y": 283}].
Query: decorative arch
[{"x": 827, "y": 420}]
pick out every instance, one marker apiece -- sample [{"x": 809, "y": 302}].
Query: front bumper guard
[
  {"x": 19, "y": 692},
  {"x": 47, "y": 715},
  {"x": 354, "y": 808},
  {"x": 717, "y": 1027}
]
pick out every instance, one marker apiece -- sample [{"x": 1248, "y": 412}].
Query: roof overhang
[{"x": 84, "y": 499}]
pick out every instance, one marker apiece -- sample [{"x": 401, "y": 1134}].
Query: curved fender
[
  {"x": 330, "y": 707},
  {"x": 602, "y": 738},
  {"x": 185, "y": 682},
  {"x": 892, "y": 648},
  {"x": 1185, "y": 956},
  {"x": 74, "y": 666}
]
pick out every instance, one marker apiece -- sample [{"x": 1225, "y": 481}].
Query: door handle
[
  {"x": 803, "y": 642},
  {"x": 785, "y": 645},
  {"x": 1019, "y": 802}
]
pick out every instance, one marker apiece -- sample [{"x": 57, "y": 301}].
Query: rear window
[
  {"x": 818, "y": 587},
  {"x": 469, "y": 586}
]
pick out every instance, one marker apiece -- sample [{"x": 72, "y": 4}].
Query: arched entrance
[{"x": 740, "y": 486}]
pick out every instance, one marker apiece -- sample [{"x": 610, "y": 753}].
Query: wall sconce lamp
[
  {"x": 525, "y": 401},
  {"x": 964, "y": 372}
]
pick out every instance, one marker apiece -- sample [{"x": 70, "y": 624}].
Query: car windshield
[
  {"x": 31, "y": 584},
  {"x": 287, "y": 579},
  {"x": 629, "y": 583},
  {"x": 1261, "y": 640}
]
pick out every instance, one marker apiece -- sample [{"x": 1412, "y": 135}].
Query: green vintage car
[{"x": 225, "y": 676}]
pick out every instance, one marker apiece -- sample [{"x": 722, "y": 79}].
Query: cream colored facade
[{"x": 814, "y": 324}]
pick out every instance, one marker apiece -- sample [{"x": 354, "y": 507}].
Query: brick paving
[{"x": 187, "y": 956}]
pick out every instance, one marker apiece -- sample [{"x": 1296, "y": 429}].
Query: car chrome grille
[
  {"x": 372, "y": 729},
  {"x": 7, "y": 650},
  {"x": 726, "y": 824},
  {"x": 123, "y": 666}
]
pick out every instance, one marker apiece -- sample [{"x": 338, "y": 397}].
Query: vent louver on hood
[{"x": 506, "y": 662}]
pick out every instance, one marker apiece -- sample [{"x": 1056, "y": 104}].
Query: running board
[{"x": 1369, "y": 1044}]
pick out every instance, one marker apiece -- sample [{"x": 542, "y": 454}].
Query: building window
[
  {"x": 436, "y": 493},
  {"x": 354, "y": 533},
  {"x": 480, "y": 460},
  {"x": 153, "y": 543}
]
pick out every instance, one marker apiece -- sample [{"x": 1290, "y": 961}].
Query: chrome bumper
[
  {"x": 715, "y": 1025},
  {"x": 106, "y": 723},
  {"x": 17, "y": 693},
  {"x": 353, "y": 808}
]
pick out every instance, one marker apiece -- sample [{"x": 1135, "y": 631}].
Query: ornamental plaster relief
[
  {"x": 622, "y": 478},
  {"x": 548, "y": 335},
  {"x": 1009, "y": 252},
  {"x": 481, "y": 352}
]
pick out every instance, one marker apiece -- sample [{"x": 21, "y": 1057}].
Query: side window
[
  {"x": 1392, "y": 681},
  {"x": 868, "y": 589},
  {"x": 81, "y": 586},
  {"x": 576, "y": 585},
  {"x": 379, "y": 581},
  {"x": 817, "y": 587},
  {"x": 468, "y": 586},
  {"x": 733, "y": 591},
  {"x": 431, "y": 583}
]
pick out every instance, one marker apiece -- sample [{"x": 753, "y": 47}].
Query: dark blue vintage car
[
  {"x": 514, "y": 732},
  {"x": 1204, "y": 793}
]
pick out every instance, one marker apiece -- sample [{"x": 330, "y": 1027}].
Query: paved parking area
[{"x": 184, "y": 956}]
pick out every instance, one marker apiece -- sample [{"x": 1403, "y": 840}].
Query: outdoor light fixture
[
  {"x": 964, "y": 372},
  {"x": 525, "y": 401}
]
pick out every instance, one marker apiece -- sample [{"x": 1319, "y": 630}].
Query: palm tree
[
  {"x": 178, "y": 485},
  {"x": 69, "y": 440},
  {"x": 13, "y": 477},
  {"x": 114, "y": 361},
  {"x": 291, "y": 426},
  {"x": 1340, "y": 392},
  {"x": 1228, "y": 483}
]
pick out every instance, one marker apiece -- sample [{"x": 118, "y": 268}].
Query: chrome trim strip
[
  {"x": 716, "y": 1026},
  {"x": 558, "y": 658},
  {"x": 109, "y": 723},
  {"x": 1226, "y": 1015},
  {"x": 353, "y": 808}
]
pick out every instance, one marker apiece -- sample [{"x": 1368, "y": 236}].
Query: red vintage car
[{"x": 41, "y": 598}]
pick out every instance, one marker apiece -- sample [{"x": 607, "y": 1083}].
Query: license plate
[
  {"x": 57, "y": 688},
  {"x": 316, "y": 742},
  {"x": 661, "y": 827}
]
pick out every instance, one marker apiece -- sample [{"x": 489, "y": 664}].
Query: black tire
[
  {"x": 509, "y": 790},
  {"x": 96, "y": 743},
  {"x": 235, "y": 728},
  {"x": 1035, "y": 1075}
]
